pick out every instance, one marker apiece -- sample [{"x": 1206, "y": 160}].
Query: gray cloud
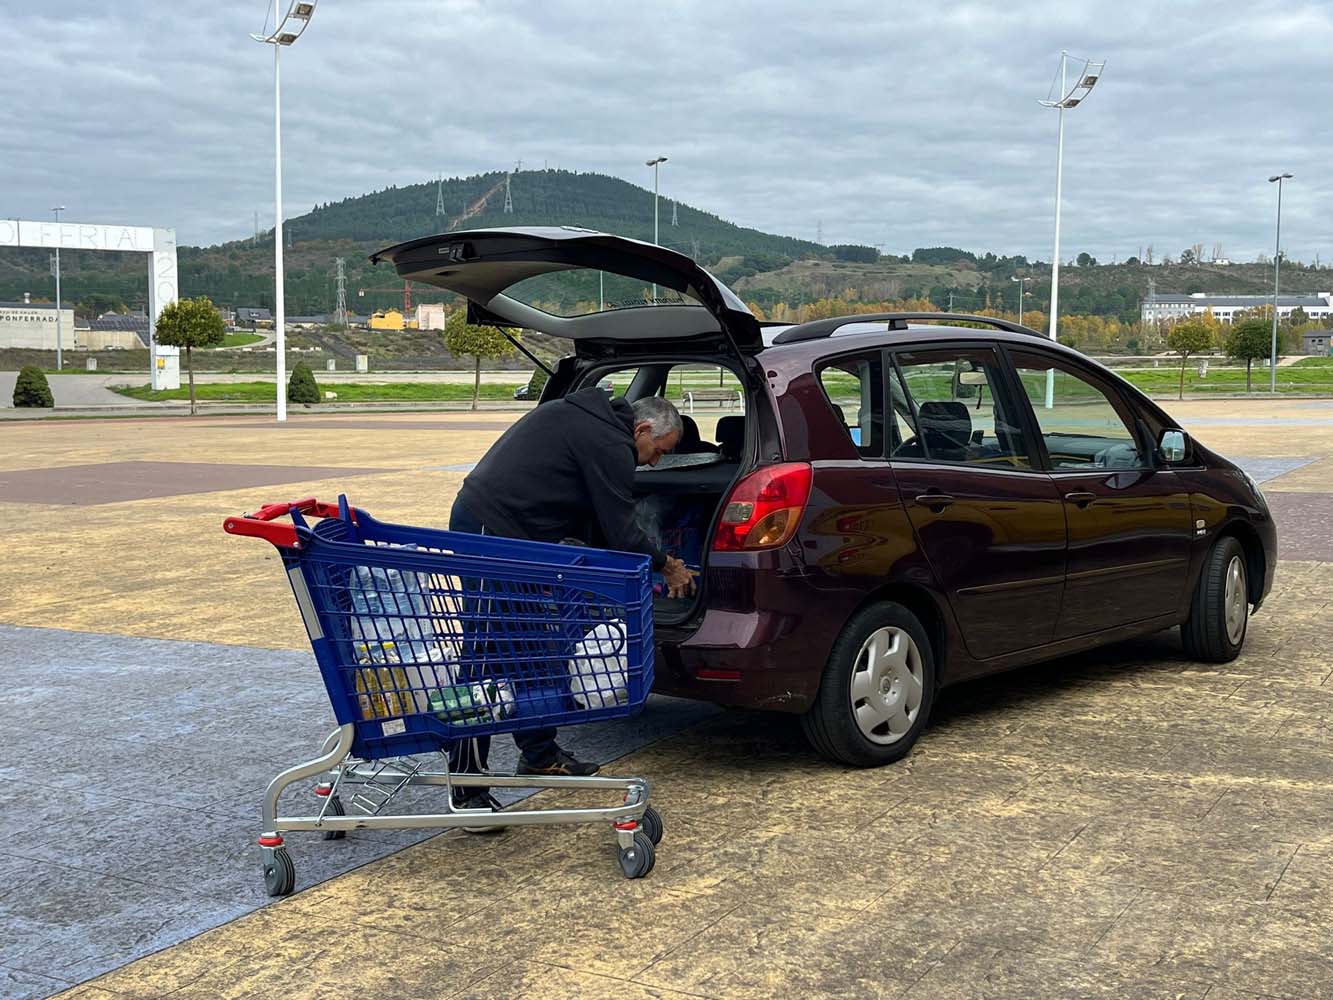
[{"x": 892, "y": 123}]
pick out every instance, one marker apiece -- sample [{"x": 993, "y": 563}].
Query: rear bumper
[{"x": 745, "y": 660}]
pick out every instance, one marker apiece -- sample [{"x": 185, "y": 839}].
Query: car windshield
[{"x": 578, "y": 291}]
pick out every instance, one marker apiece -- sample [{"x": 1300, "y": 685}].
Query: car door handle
[
  {"x": 935, "y": 501},
  {"x": 1081, "y": 500}
]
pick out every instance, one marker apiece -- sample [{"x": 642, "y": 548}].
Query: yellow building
[{"x": 390, "y": 319}]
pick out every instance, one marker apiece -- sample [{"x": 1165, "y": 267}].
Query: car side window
[
  {"x": 854, "y": 386},
  {"x": 959, "y": 409},
  {"x": 1082, "y": 425}
]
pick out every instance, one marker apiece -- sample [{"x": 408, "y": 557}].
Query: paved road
[{"x": 74, "y": 390}]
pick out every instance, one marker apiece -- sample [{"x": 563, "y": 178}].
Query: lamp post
[
  {"x": 1021, "y": 293},
  {"x": 655, "y": 163},
  {"x": 285, "y": 32},
  {"x": 60, "y": 364},
  {"x": 1068, "y": 99},
  {"x": 1277, "y": 267}
]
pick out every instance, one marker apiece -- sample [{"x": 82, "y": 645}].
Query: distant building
[
  {"x": 118, "y": 331},
  {"x": 1225, "y": 308},
  {"x": 251, "y": 317},
  {"x": 1317, "y": 342},
  {"x": 431, "y": 316},
  {"x": 33, "y": 325},
  {"x": 390, "y": 319}
]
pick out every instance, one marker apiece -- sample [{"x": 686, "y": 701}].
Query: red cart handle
[{"x": 260, "y": 524}]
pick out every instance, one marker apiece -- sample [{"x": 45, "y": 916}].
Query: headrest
[
  {"x": 731, "y": 437},
  {"x": 689, "y": 432}
]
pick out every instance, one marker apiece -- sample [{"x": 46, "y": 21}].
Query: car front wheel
[
  {"x": 1219, "y": 613},
  {"x": 877, "y": 690}
]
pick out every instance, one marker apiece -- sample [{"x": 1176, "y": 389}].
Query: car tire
[
  {"x": 1219, "y": 611},
  {"x": 881, "y": 669}
]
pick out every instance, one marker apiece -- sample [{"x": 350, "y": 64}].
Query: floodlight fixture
[
  {"x": 1066, "y": 98},
  {"x": 1071, "y": 97},
  {"x": 292, "y": 25}
]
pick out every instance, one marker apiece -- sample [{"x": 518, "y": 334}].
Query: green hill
[
  {"x": 240, "y": 273},
  {"x": 763, "y": 267}
]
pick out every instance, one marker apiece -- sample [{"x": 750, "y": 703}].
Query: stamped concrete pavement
[{"x": 1124, "y": 823}]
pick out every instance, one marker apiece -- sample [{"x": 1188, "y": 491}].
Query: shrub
[
  {"x": 301, "y": 387},
  {"x": 31, "y": 388}
]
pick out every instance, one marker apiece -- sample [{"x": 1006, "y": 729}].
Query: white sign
[{"x": 74, "y": 236}]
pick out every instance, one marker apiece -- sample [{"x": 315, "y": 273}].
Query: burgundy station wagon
[{"x": 884, "y": 504}]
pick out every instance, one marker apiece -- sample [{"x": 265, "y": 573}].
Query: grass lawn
[
  {"x": 350, "y": 392},
  {"x": 1303, "y": 376},
  {"x": 240, "y": 340}
]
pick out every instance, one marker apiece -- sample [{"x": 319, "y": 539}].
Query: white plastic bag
[{"x": 598, "y": 670}]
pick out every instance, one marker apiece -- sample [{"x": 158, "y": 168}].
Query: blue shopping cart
[{"x": 424, "y": 637}]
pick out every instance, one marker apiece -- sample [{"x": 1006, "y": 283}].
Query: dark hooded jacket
[{"x": 565, "y": 470}]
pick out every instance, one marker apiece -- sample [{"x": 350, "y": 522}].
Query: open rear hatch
[{"x": 608, "y": 294}]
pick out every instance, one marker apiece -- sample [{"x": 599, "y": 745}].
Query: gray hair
[{"x": 661, "y": 415}]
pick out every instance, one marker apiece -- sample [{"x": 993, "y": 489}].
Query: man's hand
[{"x": 679, "y": 578}]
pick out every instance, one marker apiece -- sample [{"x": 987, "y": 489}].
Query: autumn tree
[
  {"x": 1248, "y": 341},
  {"x": 190, "y": 323},
  {"x": 1189, "y": 337},
  {"x": 462, "y": 339}
]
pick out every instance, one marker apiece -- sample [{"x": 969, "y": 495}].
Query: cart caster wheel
[
  {"x": 335, "y": 809},
  {"x": 651, "y": 824},
  {"x": 280, "y": 874},
  {"x": 638, "y": 861}
]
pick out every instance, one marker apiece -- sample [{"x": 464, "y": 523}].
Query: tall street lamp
[
  {"x": 60, "y": 364},
  {"x": 1277, "y": 267},
  {"x": 655, "y": 164},
  {"x": 285, "y": 32},
  {"x": 1068, "y": 99},
  {"x": 1021, "y": 293}
]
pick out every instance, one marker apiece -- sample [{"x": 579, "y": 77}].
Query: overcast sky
[{"x": 902, "y": 123}]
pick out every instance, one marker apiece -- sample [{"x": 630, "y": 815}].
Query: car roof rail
[{"x": 821, "y": 328}]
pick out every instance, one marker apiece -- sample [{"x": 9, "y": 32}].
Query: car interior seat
[
  {"x": 946, "y": 429},
  {"x": 690, "y": 442},
  {"x": 731, "y": 437}
]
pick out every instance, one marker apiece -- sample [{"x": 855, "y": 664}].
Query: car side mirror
[{"x": 1173, "y": 446}]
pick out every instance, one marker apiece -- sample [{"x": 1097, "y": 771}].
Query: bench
[{"x": 723, "y": 397}]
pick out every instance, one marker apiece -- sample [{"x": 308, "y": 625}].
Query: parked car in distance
[{"x": 906, "y": 501}]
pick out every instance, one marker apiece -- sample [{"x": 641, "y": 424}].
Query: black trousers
[{"x": 537, "y": 746}]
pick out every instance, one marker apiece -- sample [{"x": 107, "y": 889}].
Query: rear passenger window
[
  {"x": 959, "y": 411},
  {"x": 855, "y": 387}
]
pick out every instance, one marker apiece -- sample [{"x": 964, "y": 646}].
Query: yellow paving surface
[{"x": 1120, "y": 824}]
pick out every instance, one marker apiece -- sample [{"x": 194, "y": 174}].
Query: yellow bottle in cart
[{"x": 382, "y": 692}]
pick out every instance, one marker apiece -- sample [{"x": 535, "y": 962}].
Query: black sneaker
[
  {"x": 480, "y": 800},
  {"x": 564, "y": 763}
]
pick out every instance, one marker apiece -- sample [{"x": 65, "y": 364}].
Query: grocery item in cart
[
  {"x": 470, "y": 703},
  {"x": 598, "y": 669}
]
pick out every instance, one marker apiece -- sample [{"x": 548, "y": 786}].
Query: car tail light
[{"x": 764, "y": 508}]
